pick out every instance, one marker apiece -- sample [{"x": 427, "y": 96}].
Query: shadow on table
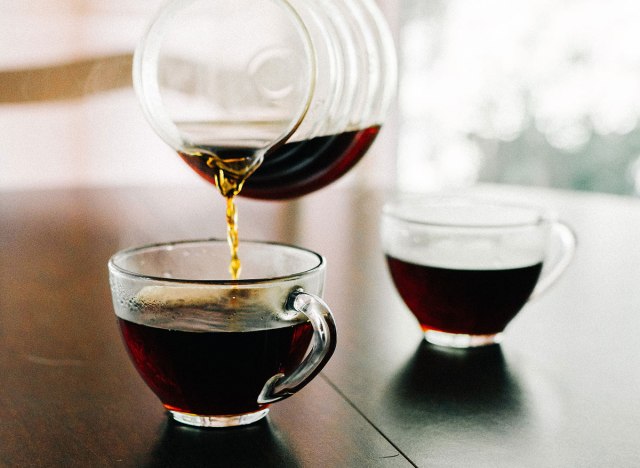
[
  {"x": 448, "y": 384},
  {"x": 256, "y": 445}
]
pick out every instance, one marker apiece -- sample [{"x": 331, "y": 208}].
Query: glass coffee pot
[{"x": 275, "y": 97}]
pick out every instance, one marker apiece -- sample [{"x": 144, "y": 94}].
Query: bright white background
[
  {"x": 93, "y": 140},
  {"x": 516, "y": 91},
  {"x": 100, "y": 138}
]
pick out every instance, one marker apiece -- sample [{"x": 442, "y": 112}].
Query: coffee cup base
[
  {"x": 459, "y": 340},
  {"x": 219, "y": 421}
]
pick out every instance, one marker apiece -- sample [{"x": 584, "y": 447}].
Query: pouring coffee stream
[{"x": 230, "y": 184}]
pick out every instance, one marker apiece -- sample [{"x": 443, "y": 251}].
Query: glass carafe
[{"x": 270, "y": 98}]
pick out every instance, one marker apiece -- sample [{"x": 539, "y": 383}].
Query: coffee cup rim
[
  {"x": 114, "y": 267},
  {"x": 404, "y": 208}
]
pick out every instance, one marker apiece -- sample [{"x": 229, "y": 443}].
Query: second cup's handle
[
  {"x": 565, "y": 240},
  {"x": 323, "y": 344}
]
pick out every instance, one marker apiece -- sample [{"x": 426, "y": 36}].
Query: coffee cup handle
[
  {"x": 323, "y": 344},
  {"x": 556, "y": 261}
]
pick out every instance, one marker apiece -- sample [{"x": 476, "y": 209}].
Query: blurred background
[
  {"x": 521, "y": 91},
  {"x": 530, "y": 92}
]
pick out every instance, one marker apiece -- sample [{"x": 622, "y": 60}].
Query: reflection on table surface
[{"x": 560, "y": 391}]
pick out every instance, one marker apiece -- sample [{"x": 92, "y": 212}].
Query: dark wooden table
[{"x": 562, "y": 390}]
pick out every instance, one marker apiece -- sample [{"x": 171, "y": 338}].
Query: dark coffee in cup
[
  {"x": 217, "y": 352},
  {"x": 465, "y": 266},
  {"x": 466, "y": 301},
  {"x": 214, "y": 372}
]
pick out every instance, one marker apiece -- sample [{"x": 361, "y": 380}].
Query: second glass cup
[
  {"x": 218, "y": 352},
  {"x": 465, "y": 266}
]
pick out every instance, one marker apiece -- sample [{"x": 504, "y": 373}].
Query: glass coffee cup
[
  {"x": 466, "y": 266},
  {"x": 218, "y": 352}
]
